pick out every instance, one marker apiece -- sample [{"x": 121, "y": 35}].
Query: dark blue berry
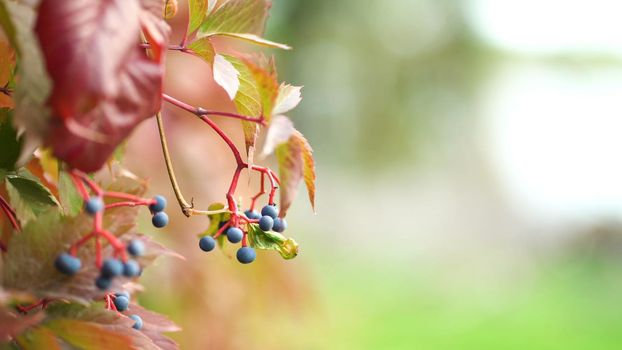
[
  {"x": 269, "y": 210},
  {"x": 279, "y": 225},
  {"x": 121, "y": 303},
  {"x": 103, "y": 282},
  {"x": 265, "y": 223},
  {"x": 159, "y": 205},
  {"x": 138, "y": 322},
  {"x": 123, "y": 294},
  {"x": 94, "y": 205},
  {"x": 112, "y": 268},
  {"x": 160, "y": 219},
  {"x": 131, "y": 269},
  {"x": 222, "y": 223},
  {"x": 246, "y": 255},
  {"x": 136, "y": 247},
  {"x": 252, "y": 214},
  {"x": 207, "y": 243},
  {"x": 234, "y": 234},
  {"x": 67, "y": 264}
]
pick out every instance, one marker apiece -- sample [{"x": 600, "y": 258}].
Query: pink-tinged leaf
[
  {"x": 117, "y": 323},
  {"x": 287, "y": 99},
  {"x": 38, "y": 338},
  {"x": 308, "y": 171},
  {"x": 254, "y": 39},
  {"x": 197, "y": 10},
  {"x": 226, "y": 75},
  {"x": 204, "y": 49},
  {"x": 154, "y": 250},
  {"x": 296, "y": 162},
  {"x": 155, "y": 29},
  {"x": 279, "y": 131},
  {"x": 236, "y": 16},
  {"x": 154, "y": 321},
  {"x": 12, "y": 324},
  {"x": 104, "y": 84},
  {"x": 88, "y": 336}
]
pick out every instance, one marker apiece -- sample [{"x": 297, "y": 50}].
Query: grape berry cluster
[
  {"x": 267, "y": 220},
  {"x": 119, "y": 264}
]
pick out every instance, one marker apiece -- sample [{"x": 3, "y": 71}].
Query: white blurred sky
[
  {"x": 554, "y": 135},
  {"x": 550, "y": 26}
]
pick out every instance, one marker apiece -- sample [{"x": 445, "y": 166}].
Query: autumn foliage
[{"x": 76, "y": 79}]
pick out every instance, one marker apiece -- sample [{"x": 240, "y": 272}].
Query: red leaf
[{"x": 104, "y": 84}]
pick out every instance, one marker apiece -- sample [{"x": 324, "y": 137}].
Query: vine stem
[
  {"x": 10, "y": 214},
  {"x": 185, "y": 206},
  {"x": 241, "y": 165},
  {"x": 199, "y": 112}
]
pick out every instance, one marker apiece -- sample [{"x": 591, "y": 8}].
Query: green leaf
[
  {"x": 215, "y": 219},
  {"x": 28, "y": 196},
  {"x": 295, "y": 158},
  {"x": 236, "y": 16},
  {"x": 38, "y": 339},
  {"x": 11, "y": 144},
  {"x": 87, "y": 336},
  {"x": 70, "y": 199},
  {"x": 287, "y": 247},
  {"x": 197, "y": 10}
]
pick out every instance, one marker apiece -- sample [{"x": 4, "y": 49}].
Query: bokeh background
[{"x": 469, "y": 182}]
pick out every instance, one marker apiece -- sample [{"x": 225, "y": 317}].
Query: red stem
[
  {"x": 127, "y": 204},
  {"x": 42, "y": 302},
  {"x": 10, "y": 214},
  {"x": 199, "y": 112},
  {"x": 259, "y": 194}
]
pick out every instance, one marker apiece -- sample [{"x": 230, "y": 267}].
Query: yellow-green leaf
[
  {"x": 254, "y": 39},
  {"x": 236, "y": 16},
  {"x": 197, "y": 10},
  {"x": 287, "y": 247},
  {"x": 247, "y": 102},
  {"x": 204, "y": 49}
]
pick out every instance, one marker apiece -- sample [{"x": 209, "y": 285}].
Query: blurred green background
[{"x": 469, "y": 190}]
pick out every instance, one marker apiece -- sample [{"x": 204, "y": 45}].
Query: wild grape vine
[{"x": 76, "y": 78}]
